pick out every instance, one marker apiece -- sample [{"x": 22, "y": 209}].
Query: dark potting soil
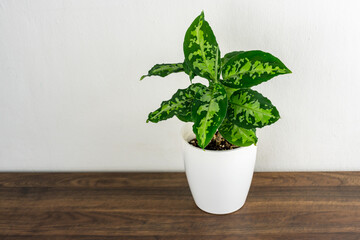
[{"x": 217, "y": 143}]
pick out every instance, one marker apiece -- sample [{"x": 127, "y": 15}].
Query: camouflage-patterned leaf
[
  {"x": 202, "y": 53},
  {"x": 249, "y": 109},
  {"x": 163, "y": 70},
  {"x": 238, "y": 136},
  {"x": 247, "y": 69},
  {"x": 185, "y": 114},
  {"x": 208, "y": 112},
  {"x": 228, "y": 56},
  {"x": 180, "y": 104}
]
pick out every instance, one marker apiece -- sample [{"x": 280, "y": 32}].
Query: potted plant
[{"x": 219, "y": 148}]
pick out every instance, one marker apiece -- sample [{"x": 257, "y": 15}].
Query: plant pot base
[{"x": 220, "y": 212}]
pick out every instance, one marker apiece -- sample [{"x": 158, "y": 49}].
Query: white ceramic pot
[{"x": 219, "y": 180}]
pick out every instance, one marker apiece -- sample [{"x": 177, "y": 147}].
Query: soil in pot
[{"x": 217, "y": 143}]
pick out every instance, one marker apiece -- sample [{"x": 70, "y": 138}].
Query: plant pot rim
[{"x": 187, "y": 127}]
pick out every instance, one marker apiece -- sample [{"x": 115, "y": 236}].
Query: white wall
[{"x": 71, "y": 99}]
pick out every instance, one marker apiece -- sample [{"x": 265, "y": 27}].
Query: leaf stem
[{"x": 216, "y": 65}]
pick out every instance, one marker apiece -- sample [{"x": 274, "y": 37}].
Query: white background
[{"x": 71, "y": 99}]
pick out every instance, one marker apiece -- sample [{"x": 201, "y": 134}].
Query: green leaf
[
  {"x": 202, "y": 53},
  {"x": 249, "y": 109},
  {"x": 188, "y": 71},
  {"x": 163, "y": 70},
  {"x": 228, "y": 56},
  {"x": 236, "y": 135},
  {"x": 208, "y": 112},
  {"x": 247, "y": 69},
  {"x": 229, "y": 91},
  {"x": 180, "y": 104}
]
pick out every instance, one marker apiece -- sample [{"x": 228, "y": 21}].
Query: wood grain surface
[{"x": 144, "y": 206}]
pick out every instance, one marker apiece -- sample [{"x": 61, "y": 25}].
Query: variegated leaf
[
  {"x": 180, "y": 104},
  {"x": 238, "y": 136},
  {"x": 163, "y": 70},
  {"x": 202, "y": 53},
  {"x": 247, "y": 69},
  {"x": 228, "y": 56},
  {"x": 249, "y": 109},
  {"x": 185, "y": 114},
  {"x": 208, "y": 112}
]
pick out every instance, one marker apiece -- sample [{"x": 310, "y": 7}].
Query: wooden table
[{"x": 146, "y": 206}]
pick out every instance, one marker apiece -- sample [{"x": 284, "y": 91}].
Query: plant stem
[{"x": 218, "y": 138}]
